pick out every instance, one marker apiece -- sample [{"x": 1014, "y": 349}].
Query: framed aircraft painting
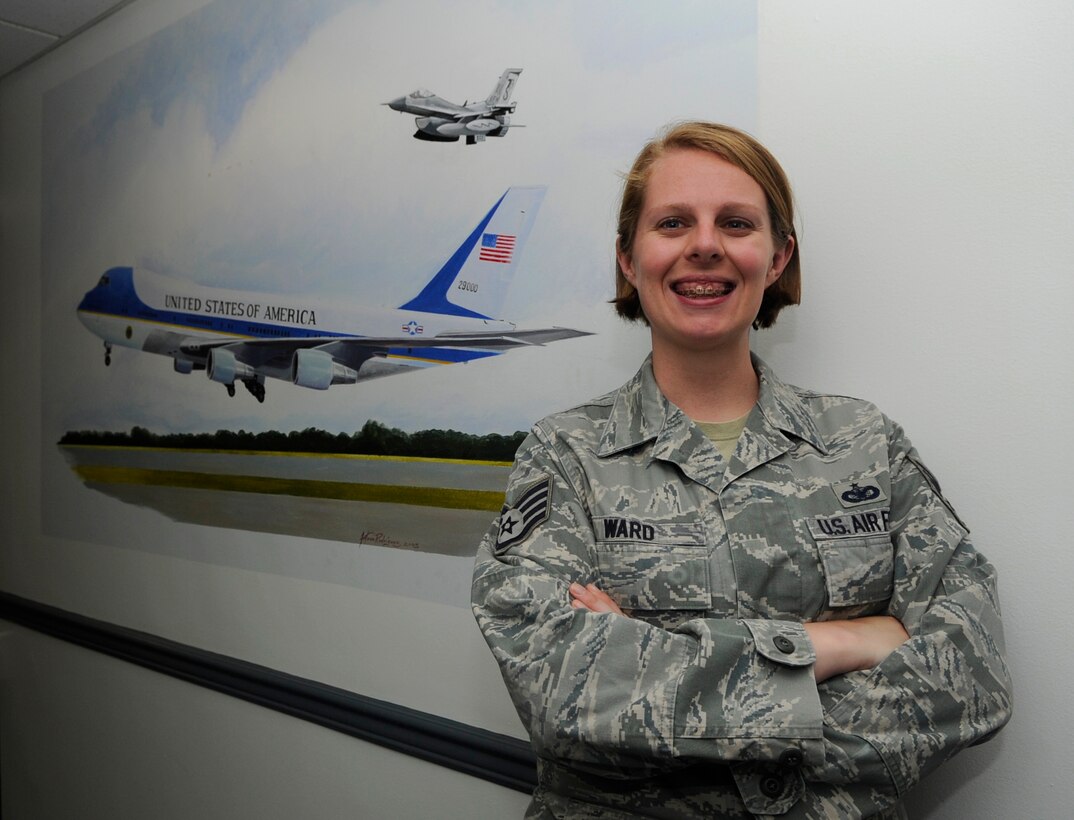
[{"x": 310, "y": 272}]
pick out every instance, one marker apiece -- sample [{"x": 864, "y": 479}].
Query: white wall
[{"x": 930, "y": 147}]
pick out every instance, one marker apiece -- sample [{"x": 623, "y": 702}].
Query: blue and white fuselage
[{"x": 248, "y": 337}]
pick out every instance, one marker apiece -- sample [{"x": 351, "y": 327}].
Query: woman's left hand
[{"x": 592, "y": 598}]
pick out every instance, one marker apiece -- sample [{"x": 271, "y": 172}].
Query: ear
[
  {"x": 779, "y": 261},
  {"x": 626, "y": 264}
]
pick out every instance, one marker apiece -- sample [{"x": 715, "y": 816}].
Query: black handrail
[{"x": 500, "y": 759}]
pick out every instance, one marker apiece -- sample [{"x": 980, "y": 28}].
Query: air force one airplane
[
  {"x": 248, "y": 337},
  {"x": 441, "y": 121}
]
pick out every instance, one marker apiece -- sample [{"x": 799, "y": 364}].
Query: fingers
[{"x": 592, "y": 598}]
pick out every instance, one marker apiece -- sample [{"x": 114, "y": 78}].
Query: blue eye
[{"x": 671, "y": 223}]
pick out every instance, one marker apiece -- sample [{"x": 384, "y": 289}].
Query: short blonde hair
[{"x": 741, "y": 150}]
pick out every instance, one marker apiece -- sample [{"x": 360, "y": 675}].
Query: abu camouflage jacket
[{"x": 702, "y": 703}]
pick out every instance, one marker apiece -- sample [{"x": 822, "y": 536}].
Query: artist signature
[{"x": 380, "y": 539}]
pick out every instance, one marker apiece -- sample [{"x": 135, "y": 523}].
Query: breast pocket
[
  {"x": 857, "y": 554},
  {"x": 857, "y": 570},
  {"x": 651, "y": 567}
]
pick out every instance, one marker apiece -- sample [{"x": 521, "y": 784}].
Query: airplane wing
[
  {"x": 493, "y": 340},
  {"x": 267, "y": 348},
  {"x": 353, "y": 350}
]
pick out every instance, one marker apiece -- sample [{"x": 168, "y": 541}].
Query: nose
[{"x": 706, "y": 244}]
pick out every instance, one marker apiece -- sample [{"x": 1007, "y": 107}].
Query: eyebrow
[{"x": 727, "y": 206}]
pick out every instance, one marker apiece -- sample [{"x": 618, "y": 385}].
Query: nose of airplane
[
  {"x": 81, "y": 311},
  {"x": 96, "y": 296},
  {"x": 87, "y": 301},
  {"x": 398, "y": 104}
]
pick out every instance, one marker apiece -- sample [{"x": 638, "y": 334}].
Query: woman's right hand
[
  {"x": 861, "y": 643},
  {"x": 592, "y": 598}
]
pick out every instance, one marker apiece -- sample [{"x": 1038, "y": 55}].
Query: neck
[{"x": 713, "y": 385}]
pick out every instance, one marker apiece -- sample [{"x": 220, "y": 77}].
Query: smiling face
[{"x": 702, "y": 254}]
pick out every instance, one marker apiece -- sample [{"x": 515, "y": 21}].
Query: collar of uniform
[
  {"x": 641, "y": 413},
  {"x": 783, "y": 407}
]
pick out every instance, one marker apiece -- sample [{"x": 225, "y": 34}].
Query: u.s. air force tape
[{"x": 520, "y": 519}]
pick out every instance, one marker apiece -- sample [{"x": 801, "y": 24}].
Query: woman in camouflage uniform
[{"x": 710, "y": 593}]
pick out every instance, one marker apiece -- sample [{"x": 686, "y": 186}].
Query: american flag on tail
[{"x": 496, "y": 247}]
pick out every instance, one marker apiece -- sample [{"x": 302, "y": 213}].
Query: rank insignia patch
[{"x": 530, "y": 509}]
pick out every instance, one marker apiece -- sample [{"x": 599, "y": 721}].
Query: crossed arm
[{"x": 841, "y": 646}]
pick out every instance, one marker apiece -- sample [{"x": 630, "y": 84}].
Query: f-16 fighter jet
[{"x": 441, "y": 121}]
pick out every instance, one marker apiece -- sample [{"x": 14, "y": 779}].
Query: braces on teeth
[{"x": 704, "y": 290}]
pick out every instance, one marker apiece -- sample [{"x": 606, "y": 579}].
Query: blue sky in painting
[{"x": 218, "y": 58}]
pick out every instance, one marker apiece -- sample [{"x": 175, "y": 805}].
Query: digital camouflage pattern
[{"x": 702, "y": 703}]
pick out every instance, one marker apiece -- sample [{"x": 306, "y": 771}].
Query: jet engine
[
  {"x": 187, "y": 366},
  {"x": 317, "y": 369},
  {"x": 223, "y": 367}
]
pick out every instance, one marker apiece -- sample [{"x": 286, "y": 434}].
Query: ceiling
[{"x": 30, "y": 28}]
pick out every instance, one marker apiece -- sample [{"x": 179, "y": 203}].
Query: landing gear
[
  {"x": 107, "y": 354},
  {"x": 256, "y": 388}
]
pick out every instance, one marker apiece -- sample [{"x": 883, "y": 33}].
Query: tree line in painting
[{"x": 374, "y": 439}]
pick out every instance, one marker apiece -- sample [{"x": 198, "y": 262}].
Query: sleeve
[
  {"x": 612, "y": 695},
  {"x": 946, "y": 688}
]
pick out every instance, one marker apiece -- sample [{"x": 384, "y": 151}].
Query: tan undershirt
[{"x": 724, "y": 434}]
